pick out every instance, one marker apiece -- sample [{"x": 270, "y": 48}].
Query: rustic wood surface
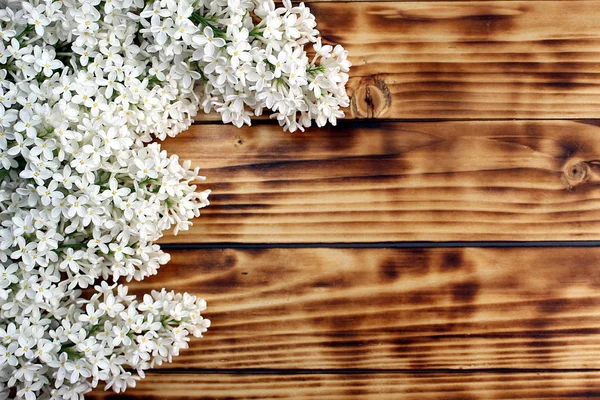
[
  {"x": 480, "y": 125},
  {"x": 391, "y": 181},
  {"x": 468, "y": 60},
  {"x": 455, "y": 308},
  {"x": 467, "y": 386}
]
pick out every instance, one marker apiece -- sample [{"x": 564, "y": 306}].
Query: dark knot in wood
[
  {"x": 576, "y": 172},
  {"x": 371, "y": 99}
]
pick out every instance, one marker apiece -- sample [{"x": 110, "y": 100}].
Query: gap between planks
[
  {"x": 367, "y": 371},
  {"x": 382, "y": 245},
  {"x": 347, "y": 123},
  {"x": 409, "y": 1}
]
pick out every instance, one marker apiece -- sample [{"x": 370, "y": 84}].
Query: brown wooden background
[{"x": 440, "y": 243}]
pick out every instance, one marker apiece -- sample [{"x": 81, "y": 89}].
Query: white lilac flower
[{"x": 84, "y": 87}]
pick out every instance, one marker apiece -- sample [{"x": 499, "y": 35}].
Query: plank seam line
[
  {"x": 342, "y": 123},
  {"x": 380, "y": 245},
  {"x": 309, "y": 2},
  {"x": 341, "y": 371}
]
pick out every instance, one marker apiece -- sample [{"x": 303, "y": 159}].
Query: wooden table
[{"x": 439, "y": 243}]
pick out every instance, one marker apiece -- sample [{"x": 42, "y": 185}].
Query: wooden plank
[
  {"x": 545, "y": 385},
  {"x": 377, "y": 182},
  {"x": 455, "y": 308},
  {"x": 475, "y": 59}
]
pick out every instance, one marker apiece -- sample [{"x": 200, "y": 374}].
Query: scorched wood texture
[
  {"x": 391, "y": 309},
  {"x": 392, "y": 181},
  {"x": 409, "y": 386},
  {"x": 473, "y": 130}
]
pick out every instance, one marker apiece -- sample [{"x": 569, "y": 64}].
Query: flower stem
[
  {"x": 256, "y": 31},
  {"x": 210, "y": 22},
  {"x": 25, "y": 32},
  {"x": 315, "y": 69}
]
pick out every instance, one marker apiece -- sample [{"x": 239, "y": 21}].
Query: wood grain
[
  {"x": 467, "y": 386},
  {"x": 417, "y": 309},
  {"x": 386, "y": 323},
  {"x": 475, "y": 59},
  {"x": 386, "y": 181}
]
